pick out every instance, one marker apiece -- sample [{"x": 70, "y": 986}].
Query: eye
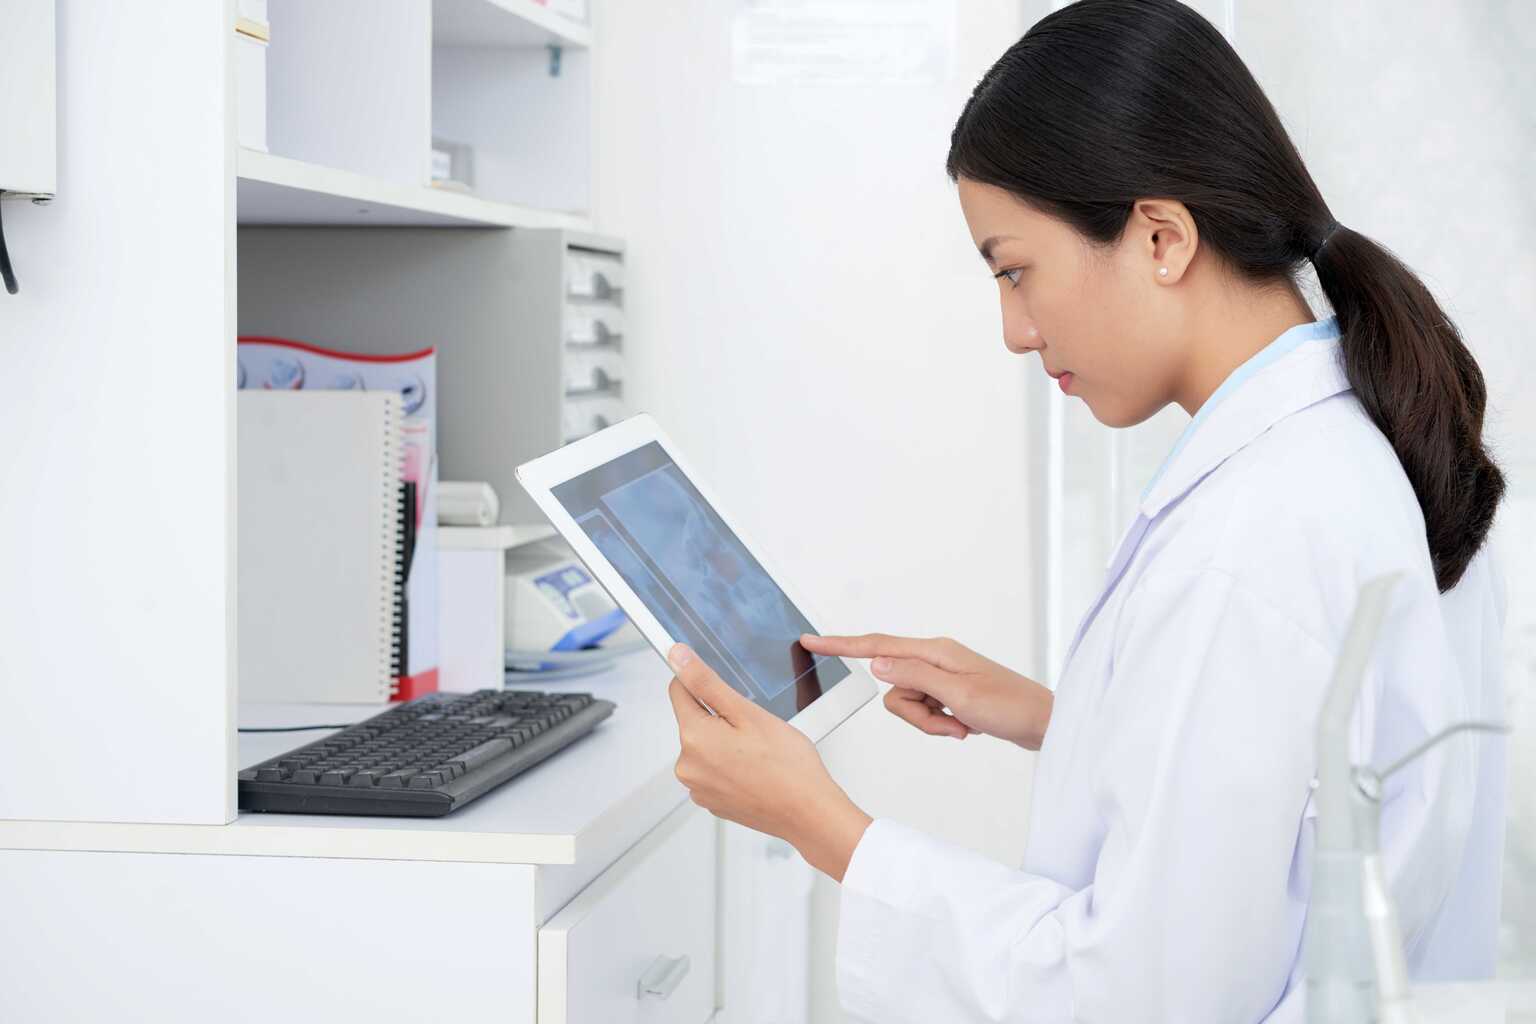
[{"x": 1012, "y": 275}]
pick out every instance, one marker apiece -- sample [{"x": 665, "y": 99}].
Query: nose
[{"x": 1021, "y": 338}]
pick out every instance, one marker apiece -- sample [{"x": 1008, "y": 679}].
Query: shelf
[
  {"x": 491, "y": 538},
  {"x": 593, "y": 799},
  {"x": 515, "y": 23},
  {"x": 275, "y": 190}
]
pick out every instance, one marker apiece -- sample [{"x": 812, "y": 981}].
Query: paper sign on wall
[{"x": 854, "y": 42}]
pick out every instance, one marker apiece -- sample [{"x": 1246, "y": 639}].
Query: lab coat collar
[{"x": 1301, "y": 367}]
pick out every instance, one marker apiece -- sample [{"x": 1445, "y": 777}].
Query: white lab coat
[{"x": 1167, "y": 871}]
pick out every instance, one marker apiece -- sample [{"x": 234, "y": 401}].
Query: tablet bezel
[{"x": 540, "y": 476}]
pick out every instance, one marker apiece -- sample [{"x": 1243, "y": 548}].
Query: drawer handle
[{"x": 663, "y": 976}]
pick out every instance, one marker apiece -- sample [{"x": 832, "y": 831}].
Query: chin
[{"x": 1117, "y": 417}]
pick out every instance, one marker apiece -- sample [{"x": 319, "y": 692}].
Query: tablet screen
[{"x": 698, "y": 578}]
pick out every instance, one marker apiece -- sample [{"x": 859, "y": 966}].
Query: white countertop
[{"x": 602, "y": 792}]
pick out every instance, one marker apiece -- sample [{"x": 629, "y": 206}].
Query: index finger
[{"x": 936, "y": 652}]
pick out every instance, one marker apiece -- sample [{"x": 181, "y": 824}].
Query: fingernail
[
  {"x": 881, "y": 665},
  {"x": 679, "y": 656}
]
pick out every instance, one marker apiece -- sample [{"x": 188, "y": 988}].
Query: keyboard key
[
  {"x": 366, "y": 777},
  {"x": 487, "y": 751},
  {"x": 427, "y": 780},
  {"x": 269, "y": 775},
  {"x": 305, "y": 777},
  {"x": 337, "y": 777},
  {"x": 399, "y": 779}
]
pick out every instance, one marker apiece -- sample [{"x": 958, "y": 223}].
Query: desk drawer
[{"x": 650, "y": 918}]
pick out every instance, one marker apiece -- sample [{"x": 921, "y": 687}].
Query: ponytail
[
  {"x": 1413, "y": 374},
  {"x": 1104, "y": 102}
]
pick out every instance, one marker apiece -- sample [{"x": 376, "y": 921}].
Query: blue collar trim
[{"x": 1289, "y": 341}]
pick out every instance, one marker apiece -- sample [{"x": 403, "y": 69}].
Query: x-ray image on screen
[
  {"x": 697, "y": 578},
  {"x": 640, "y": 579}
]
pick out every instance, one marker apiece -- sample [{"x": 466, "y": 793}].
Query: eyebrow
[{"x": 987, "y": 246}]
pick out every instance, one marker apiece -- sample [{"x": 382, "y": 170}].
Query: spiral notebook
[{"x": 321, "y": 542}]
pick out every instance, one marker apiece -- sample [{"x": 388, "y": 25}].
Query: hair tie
[{"x": 1332, "y": 227}]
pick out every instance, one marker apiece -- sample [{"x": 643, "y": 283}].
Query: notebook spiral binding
[{"x": 396, "y": 516}]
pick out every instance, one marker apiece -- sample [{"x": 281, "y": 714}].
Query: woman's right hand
[{"x": 929, "y": 676}]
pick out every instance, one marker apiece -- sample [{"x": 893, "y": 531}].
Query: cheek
[
  {"x": 1128, "y": 388},
  {"x": 1116, "y": 372}
]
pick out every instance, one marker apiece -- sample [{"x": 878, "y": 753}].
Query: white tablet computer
[{"x": 652, "y": 534}]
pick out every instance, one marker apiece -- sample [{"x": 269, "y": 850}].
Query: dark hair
[{"x": 1108, "y": 101}]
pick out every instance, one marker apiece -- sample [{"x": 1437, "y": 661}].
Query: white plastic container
[
  {"x": 582, "y": 414},
  {"x": 593, "y": 324},
  {"x": 593, "y": 370}
]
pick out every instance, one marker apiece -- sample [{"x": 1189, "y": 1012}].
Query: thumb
[
  {"x": 705, "y": 685},
  {"x": 919, "y": 675}
]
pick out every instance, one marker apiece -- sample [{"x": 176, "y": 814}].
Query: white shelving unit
[
  {"x": 514, "y": 23},
  {"x": 280, "y": 191},
  {"x": 356, "y": 93},
  {"x": 356, "y": 90}
]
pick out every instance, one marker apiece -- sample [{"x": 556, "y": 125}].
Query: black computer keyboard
[{"x": 423, "y": 758}]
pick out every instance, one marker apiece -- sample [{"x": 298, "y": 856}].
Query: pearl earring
[{"x": 1162, "y": 271}]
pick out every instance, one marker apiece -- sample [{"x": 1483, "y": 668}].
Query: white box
[
  {"x": 251, "y": 90},
  {"x": 471, "y": 591},
  {"x": 29, "y": 128},
  {"x": 471, "y": 601}
]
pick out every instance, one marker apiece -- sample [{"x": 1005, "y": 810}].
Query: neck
[{"x": 1235, "y": 322}]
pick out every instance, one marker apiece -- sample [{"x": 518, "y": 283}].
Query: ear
[{"x": 1164, "y": 233}]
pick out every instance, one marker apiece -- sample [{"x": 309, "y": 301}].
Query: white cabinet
[
  {"x": 195, "y": 938},
  {"x": 288, "y": 917},
  {"x": 637, "y": 946}
]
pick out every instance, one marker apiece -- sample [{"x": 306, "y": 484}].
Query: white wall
[
  {"x": 116, "y": 636},
  {"x": 811, "y": 321}
]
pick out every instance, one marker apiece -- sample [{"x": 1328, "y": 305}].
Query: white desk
[{"x": 299, "y": 917}]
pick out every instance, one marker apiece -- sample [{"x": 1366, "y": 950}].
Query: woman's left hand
[{"x": 747, "y": 765}]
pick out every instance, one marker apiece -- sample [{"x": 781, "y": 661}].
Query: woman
[{"x": 1145, "y": 214}]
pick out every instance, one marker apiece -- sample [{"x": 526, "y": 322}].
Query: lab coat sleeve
[{"x": 1185, "y": 910}]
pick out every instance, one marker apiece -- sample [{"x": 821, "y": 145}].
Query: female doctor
[{"x": 1145, "y": 214}]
